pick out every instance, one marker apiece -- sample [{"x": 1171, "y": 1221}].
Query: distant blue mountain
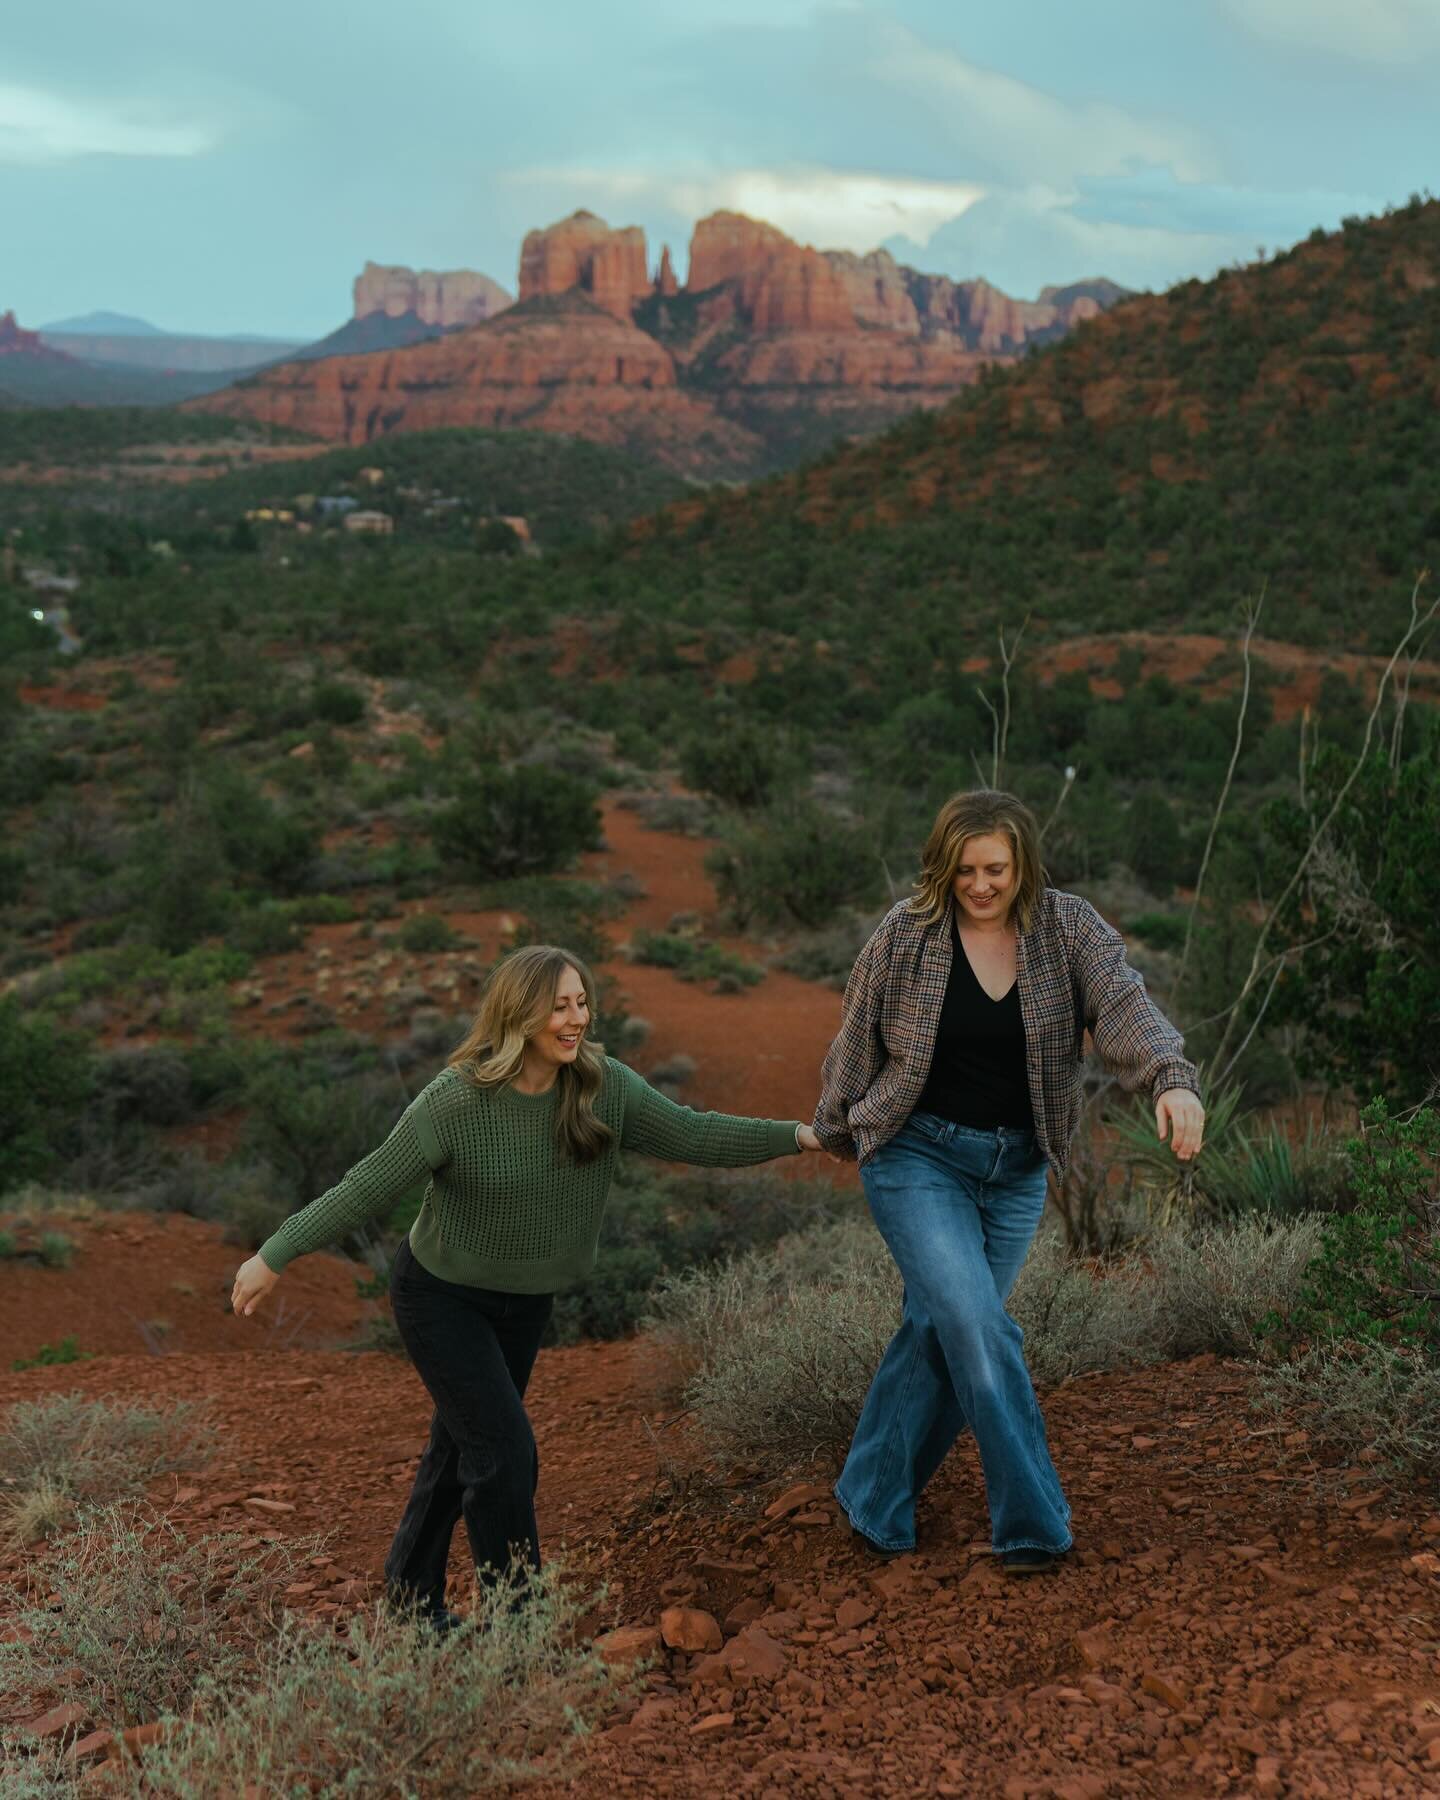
[{"x": 106, "y": 324}]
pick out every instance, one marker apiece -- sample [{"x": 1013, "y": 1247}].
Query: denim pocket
[{"x": 926, "y": 1125}]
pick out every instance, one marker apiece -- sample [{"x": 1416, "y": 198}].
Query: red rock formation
[
  {"x": 583, "y": 252},
  {"x": 781, "y": 285},
  {"x": 778, "y": 346},
  {"x": 550, "y": 365},
  {"x": 16, "y": 341},
  {"x": 445, "y": 298},
  {"x": 875, "y": 287}
]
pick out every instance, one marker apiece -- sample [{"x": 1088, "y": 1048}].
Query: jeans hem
[
  {"x": 1033, "y": 1544},
  {"x": 857, "y": 1526}
]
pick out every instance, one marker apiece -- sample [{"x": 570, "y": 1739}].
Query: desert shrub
[
  {"x": 828, "y": 956},
  {"x": 1162, "y": 931},
  {"x": 693, "y": 959},
  {"x": 424, "y": 931},
  {"x": 337, "y": 703},
  {"x": 658, "y": 1225},
  {"x": 405, "y": 1711},
  {"x": 150, "y": 1084},
  {"x": 268, "y": 930},
  {"x": 9, "y": 1246},
  {"x": 793, "y": 863},
  {"x": 54, "y": 1356},
  {"x": 733, "y": 759},
  {"x": 56, "y": 1250},
  {"x": 98, "y": 1451},
  {"x": 775, "y": 1350},
  {"x": 1360, "y": 1397},
  {"x": 140, "y": 1617},
  {"x": 1375, "y": 1276},
  {"x": 522, "y": 821},
  {"x": 45, "y": 1077}
]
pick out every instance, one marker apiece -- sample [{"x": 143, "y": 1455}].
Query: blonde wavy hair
[
  {"x": 979, "y": 813},
  {"x": 517, "y": 1003}
]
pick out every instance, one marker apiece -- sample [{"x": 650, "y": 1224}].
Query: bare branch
[
  {"x": 1419, "y": 622},
  {"x": 1071, "y": 771},
  {"x": 994, "y": 740},
  {"x": 1252, "y": 619}
]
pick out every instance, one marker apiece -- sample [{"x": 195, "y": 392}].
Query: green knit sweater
[{"x": 502, "y": 1209}]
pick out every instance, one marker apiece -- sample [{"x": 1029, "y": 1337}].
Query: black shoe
[
  {"x": 882, "y": 1550},
  {"x": 1031, "y": 1562}
]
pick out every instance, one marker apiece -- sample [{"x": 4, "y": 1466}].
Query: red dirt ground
[
  {"x": 159, "y": 1282},
  {"x": 1235, "y": 1621}
]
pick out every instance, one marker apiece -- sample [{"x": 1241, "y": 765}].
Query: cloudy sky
[{"x": 230, "y": 168}]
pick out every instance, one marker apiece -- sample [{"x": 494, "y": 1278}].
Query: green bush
[
  {"x": 267, "y": 931},
  {"x": 337, "y": 703},
  {"x": 733, "y": 759},
  {"x": 521, "y": 821},
  {"x": 1162, "y": 931},
  {"x": 794, "y": 863},
  {"x": 1376, "y": 1276},
  {"x": 423, "y": 932},
  {"x": 693, "y": 959},
  {"x": 56, "y": 1250},
  {"x": 45, "y": 1081}
]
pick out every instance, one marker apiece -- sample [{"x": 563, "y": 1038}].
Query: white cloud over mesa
[
  {"x": 41, "y": 127},
  {"x": 833, "y": 209}
]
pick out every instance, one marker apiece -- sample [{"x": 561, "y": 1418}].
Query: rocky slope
[{"x": 770, "y": 350}]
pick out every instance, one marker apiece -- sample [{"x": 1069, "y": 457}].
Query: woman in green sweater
[{"x": 519, "y": 1136}]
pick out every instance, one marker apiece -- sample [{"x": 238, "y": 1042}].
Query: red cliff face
[
  {"x": 665, "y": 283},
  {"x": 780, "y": 285},
  {"x": 444, "y": 298},
  {"x": 583, "y": 252}
]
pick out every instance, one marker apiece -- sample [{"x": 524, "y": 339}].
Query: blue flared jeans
[{"x": 958, "y": 1209}]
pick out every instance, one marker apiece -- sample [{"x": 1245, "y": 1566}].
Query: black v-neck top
[{"x": 978, "y": 1076}]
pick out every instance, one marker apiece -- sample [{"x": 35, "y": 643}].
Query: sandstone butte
[
  {"x": 769, "y": 343},
  {"x": 443, "y": 298},
  {"x": 16, "y": 341}
]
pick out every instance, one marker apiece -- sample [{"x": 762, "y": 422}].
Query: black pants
[{"x": 474, "y": 1349}]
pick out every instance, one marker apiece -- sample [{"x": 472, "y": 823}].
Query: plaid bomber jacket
[{"x": 1072, "y": 976}]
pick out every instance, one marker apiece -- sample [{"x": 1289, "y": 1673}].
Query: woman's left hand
[{"x": 1179, "y": 1114}]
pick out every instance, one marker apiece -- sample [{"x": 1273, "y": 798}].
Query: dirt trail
[{"x": 1234, "y": 1622}]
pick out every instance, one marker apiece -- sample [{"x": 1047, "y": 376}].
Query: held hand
[
  {"x": 253, "y": 1281},
  {"x": 805, "y": 1137},
  {"x": 1179, "y": 1113}
]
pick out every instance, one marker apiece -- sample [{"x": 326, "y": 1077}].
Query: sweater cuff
[
  {"x": 782, "y": 1137},
  {"x": 275, "y": 1253}
]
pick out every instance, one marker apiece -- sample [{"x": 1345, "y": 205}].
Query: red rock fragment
[
  {"x": 88, "y": 1749},
  {"x": 853, "y": 1613},
  {"x": 688, "y": 1628},
  {"x": 713, "y": 1725},
  {"x": 795, "y": 1499},
  {"x": 628, "y": 1644},
  {"x": 752, "y": 1655},
  {"x": 59, "y": 1722},
  {"x": 1165, "y": 1689},
  {"x": 1096, "y": 1646}
]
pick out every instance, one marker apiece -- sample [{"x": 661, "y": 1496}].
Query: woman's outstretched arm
[
  {"x": 375, "y": 1183},
  {"x": 657, "y": 1126},
  {"x": 857, "y": 1055}
]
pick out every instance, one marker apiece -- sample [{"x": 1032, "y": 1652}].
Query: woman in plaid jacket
[{"x": 954, "y": 1079}]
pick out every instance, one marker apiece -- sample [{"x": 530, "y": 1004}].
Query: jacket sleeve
[
  {"x": 1134, "y": 1039},
  {"x": 412, "y": 1150},
  {"x": 857, "y": 1054},
  {"x": 657, "y": 1126}
]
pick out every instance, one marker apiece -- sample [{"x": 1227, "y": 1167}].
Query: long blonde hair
[
  {"x": 979, "y": 813},
  {"x": 518, "y": 1000}
]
